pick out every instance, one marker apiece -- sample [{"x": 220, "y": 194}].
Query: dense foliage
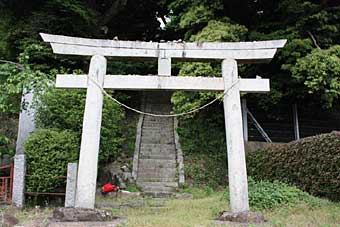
[
  {"x": 311, "y": 164},
  {"x": 4, "y": 143},
  {"x": 320, "y": 73},
  {"x": 64, "y": 109},
  {"x": 203, "y": 144},
  {"x": 265, "y": 195},
  {"x": 48, "y": 152}
]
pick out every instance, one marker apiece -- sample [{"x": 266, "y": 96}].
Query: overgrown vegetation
[
  {"x": 311, "y": 164},
  {"x": 264, "y": 195},
  {"x": 204, "y": 148}
]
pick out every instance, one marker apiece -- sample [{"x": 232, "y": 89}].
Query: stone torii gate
[{"x": 229, "y": 53}]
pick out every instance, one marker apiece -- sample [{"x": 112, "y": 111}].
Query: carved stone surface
[
  {"x": 117, "y": 222},
  {"x": 71, "y": 184},
  {"x": 18, "y": 198},
  {"x": 63, "y": 214},
  {"x": 242, "y": 217},
  {"x": 184, "y": 196}
]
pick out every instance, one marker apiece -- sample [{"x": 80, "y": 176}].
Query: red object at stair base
[{"x": 109, "y": 188}]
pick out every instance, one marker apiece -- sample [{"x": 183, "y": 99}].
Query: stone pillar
[
  {"x": 71, "y": 185},
  {"x": 245, "y": 119},
  {"x": 18, "y": 197},
  {"x": 26, "y": 127},
  {"x": 296, "y": 122},
  {"x": 89, "y": 147},
  {"x": 237, "y": 173},
  {"x": 164, "y": 66}
]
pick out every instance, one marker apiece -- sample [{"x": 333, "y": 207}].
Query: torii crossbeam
[{"x": 230, "y": 53}]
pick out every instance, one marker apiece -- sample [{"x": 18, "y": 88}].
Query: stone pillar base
[
  {"x": 248, "y": 217},
  {"x": 18, "y": 198}
]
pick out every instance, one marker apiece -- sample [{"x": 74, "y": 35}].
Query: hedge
[
  {"x": 312, "y": 164},
  {"x": 64, "y": 109},
  {"x": 48, "y": 152}
]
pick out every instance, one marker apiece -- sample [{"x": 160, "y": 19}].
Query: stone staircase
[{"x": 157, "y": 159}]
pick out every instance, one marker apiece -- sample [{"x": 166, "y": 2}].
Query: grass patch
[
  {"x": 175, "y": 213},
  {"x": 200, "y": 212},
  {"x": 197, "y": 193},
  {"x": 282, "y": 206}
]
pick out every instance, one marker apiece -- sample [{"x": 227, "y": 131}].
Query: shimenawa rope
[{"x": 162, "y": 115}]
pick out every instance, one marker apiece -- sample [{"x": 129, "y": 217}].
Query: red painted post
[
  {"x": 6, "y": 184},
  {"x": 11, "y": 182},
  {"x": 6, "y": 188}
]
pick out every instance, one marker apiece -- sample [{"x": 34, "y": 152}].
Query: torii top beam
[{"x": 243, "y": 52}]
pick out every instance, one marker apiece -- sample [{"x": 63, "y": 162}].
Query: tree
[{"x": 319, "y": 71}]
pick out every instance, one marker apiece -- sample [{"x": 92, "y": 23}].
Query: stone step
[
  {"x": 150, "y": 153},
  {"x": 158, "y": 192},
  {"x": 153, "y": 140},
  {"x": 156, "y": 179},
  {"x": 156, "y": 145},
  {"x": 156, "y": 174},
  {"x": 155, "y": 151},
  {"x": 161, "y": 148},
  {"x": 158, "y": 171},
  {"x": 157, "y": 127},
  {"x": 157, "y": 134},
  {"x": 153, "y": 126},
  {"x": 157, "y": 156},
  {"x": 173, "y": 184},
  {"x": 156, "y": 163},
  {"x": 163, "y": 137},
  {"x": 160, "y": 125},
  {"x": 171, "y": 153},
  {"x": 158, "y": 119},
  {"x": 169, "y": 134},
  {"x": 157, "y": 166},
  {"x": 160, "y": 130}
]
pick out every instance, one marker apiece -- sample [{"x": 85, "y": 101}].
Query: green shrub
[
  {"x": 4, "y": 145},
  {"x": 48, "y": 152},
  {"x": 64, "y": 109},
  {"x": 206, "y": 170},
  {"x": 270, "y": 195},
  {"x": 312, "y": 164}
]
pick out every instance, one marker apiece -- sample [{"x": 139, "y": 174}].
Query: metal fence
[{"x": 6, "y": 183}]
